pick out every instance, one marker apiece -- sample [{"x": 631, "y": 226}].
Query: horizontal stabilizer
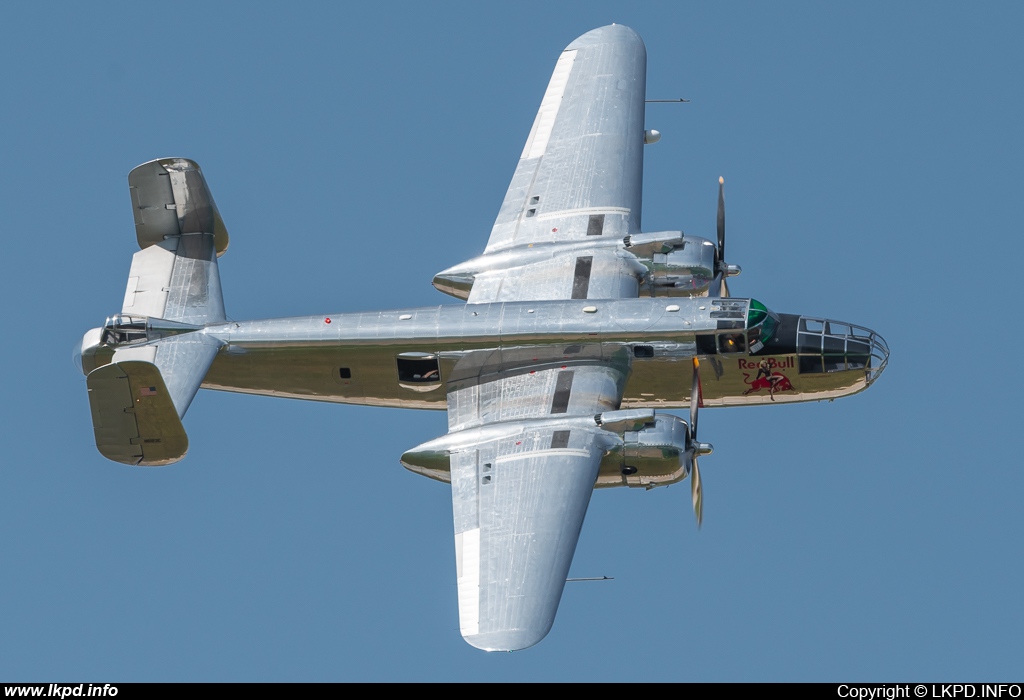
[
  {"x": 133, "y": 415},
  {"x": 183, "y": 361}
]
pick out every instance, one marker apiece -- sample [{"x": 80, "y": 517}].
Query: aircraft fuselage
[{"x": 405, "y": 358}]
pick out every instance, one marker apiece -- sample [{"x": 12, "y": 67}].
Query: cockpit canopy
[
  {"x": 124, "y": 329},
  {"x": 744, "y": 325},
  {"x": 762, "y": 323}
]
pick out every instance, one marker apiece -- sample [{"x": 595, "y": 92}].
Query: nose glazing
[{"x": 824, "y": 345}]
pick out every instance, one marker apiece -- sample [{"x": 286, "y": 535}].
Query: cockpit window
[
  {"x": 768, "y": 328},
  {"x": 829, "y": 346},
  {"x": 731, "y": 342},
  {"x": 728, "y": 308},
  {"x": 123, "y": 329}
]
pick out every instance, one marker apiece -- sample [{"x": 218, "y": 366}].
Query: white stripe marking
[
  {"x": 542, "y": 453},
  {"x": 467, "y": 568},
  {"x": 537, "y": 143},
  {"x": 586, "y": 211}
]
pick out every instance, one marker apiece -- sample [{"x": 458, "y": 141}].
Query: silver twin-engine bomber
[{"x": 578, "y": 332}]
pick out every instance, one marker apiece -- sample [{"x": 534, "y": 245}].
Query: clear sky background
[{"x": 873, "y": 162}]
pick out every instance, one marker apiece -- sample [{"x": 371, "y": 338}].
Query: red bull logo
[
  {"x": 773, "y": 363},
  {"x": 767, "y": 376}
]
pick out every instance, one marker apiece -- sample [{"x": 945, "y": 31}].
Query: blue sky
[{"x": 872, "y": 156}]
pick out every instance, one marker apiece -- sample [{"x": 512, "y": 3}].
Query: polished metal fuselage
[{"x": 353, "y": 357}]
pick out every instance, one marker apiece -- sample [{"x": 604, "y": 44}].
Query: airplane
[{"x": 579, "y": 330}]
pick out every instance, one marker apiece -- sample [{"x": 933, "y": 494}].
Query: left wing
[
  {"x": 580, "y": 174},
  {"x": 521, "y": 484},
  {"x": 576, "y": 191}
]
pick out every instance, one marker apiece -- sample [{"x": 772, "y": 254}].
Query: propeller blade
[
  {"x": 696, "y": 492},
  {"x": 719, "y": 287},
  {"x": 721, "y": 220},
  {"x": 694, "y": 399}
]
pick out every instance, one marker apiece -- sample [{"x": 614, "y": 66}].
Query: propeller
[
  {"x": 696, "y": 448},
  {"x": 721, "y": 217},
  {"x": 724, "y": 270}
]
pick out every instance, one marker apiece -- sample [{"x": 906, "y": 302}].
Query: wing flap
[{"x": 523, "y": 394}]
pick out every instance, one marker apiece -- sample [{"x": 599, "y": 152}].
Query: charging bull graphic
[{"x": 767, "y": 378}]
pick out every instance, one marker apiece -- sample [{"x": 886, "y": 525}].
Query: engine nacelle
[
  {"x": 685, "y": 271},
  {"x": 678, "y": 265},
  {"x": 657, "y": 454}
]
